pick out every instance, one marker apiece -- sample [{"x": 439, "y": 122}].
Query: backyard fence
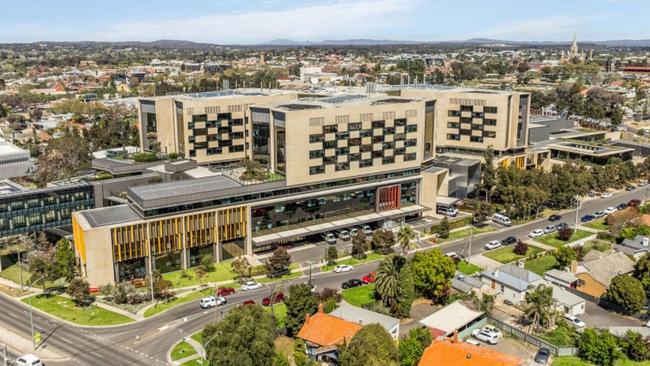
[{"x": 531, "y": 339}]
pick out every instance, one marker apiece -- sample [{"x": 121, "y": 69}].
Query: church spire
[{"x": 574, "y": 46}]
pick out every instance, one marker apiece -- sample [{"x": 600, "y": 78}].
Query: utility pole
[
  {"x": 20, "y": 271},
  {"x": 469, "y": 249},
  {"x": 577, "y": 208},
  {"x": 4, "y": 353},
  {"x": 31, "y": 316}
]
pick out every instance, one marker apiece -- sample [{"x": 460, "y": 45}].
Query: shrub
[
  {"x": 259, "y": 270},
  {"x": 143, "y": 157},
  {"x": 521, "y": 248},
  {"x": 565, "y": 234},
  {"x": 331, "y": 255},
  {"x": 598, "y": 346},
  {"x": 627, "y": 292},
  {"x": 635, "y": 346}
]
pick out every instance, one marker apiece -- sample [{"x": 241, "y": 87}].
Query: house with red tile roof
[{"x": 452, "y": 352}]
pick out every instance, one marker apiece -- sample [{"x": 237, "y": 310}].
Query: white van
[
  {"x": 29, "y": 360},
  {"x": 448, "y": 211},
  {"x": 501, "y": 219}
]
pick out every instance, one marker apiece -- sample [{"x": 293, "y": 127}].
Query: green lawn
[
  {"x": 575, "y": 361},
  {"x": 12, "y": 274},
  {"x": 353, "y": 261},
  {"x": 195, "y": 362},
  {"x": 359, "y": 296},
  {"x": 468, "y": 268},
  {"x": 562, "y": 336},
  {"x": 280, "y": 314},
  {"x": 182, "y": 350},
  {"x": 192, "y": 296},
  {"x": 290, "y": 276},
  {"x": 198, "y": 336},
  {"x": 222, "y": 272},
  {"x": 599, "y": 224},
  {"x": 64, "y": 308},
  {"x": 541, "y": 264},
  {"x": 464, "y": 233},
  {"x": 507, "y": 255},
  {"x": 552, "y": 240}
]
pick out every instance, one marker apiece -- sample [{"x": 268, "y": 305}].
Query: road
[{"x": 147, "y": 342}]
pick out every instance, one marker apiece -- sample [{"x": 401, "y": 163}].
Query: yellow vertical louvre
[{"x": 116, "y": 244}]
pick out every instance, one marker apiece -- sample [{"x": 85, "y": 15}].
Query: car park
[
  {"x": 587, "y": 218},
  {"x": 343, "y": 235},
  {"x": 277, "y": 297},
  {"x": 599, "y": 214},
  {"x": 225, "y": 291},
  {"x": 605, "y": 195},
  {"x": 484, "y": 336},
  {"x": 369, "y": 278},
  {"x": 575, "y": 321},
  {"x": 366, "y": 229},
  {"x": 251, "y": 285},
  {"x": 492, "y": 245},
  {"x": 609, "y": 210},
  {"x": 509, "y": 240},
  {"x": 355, "y": 282},
  {"x": 549, "y": 229},
  {"x": 554, "y": 218},
  {"x": 343, "y": 268},
  {"x": 536, "y": 233},
  {"x": 542, "y": 356},
  {"x": 29, "y": 360},
  {"x": 329, "y": 238}
]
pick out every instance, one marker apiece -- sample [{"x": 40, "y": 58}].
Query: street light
[{"x": 31, "y": 317}]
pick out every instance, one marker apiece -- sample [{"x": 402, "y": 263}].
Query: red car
[
  {"x": 369, "y": 278},
  {"x": 634, "y": 202},
  {"x": 248, "y": 302},
  {"x": 278, "y": 297},
  {"x": 225, "y": 291}
]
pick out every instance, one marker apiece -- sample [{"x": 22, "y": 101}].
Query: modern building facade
[{"x": 14, "y": 161}]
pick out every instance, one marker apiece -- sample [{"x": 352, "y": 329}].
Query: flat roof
[
  {"x": 224, "y": 94},
  {"x": 339, "y": 100},
  {"x": 450, "y": 318},
  {"x": 182, "y": 188},
  {"x": 112, "y": 215}
]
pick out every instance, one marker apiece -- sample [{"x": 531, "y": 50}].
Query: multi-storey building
[
  {"x": 14, "y": 161},
  {"x": 345, "y": 160}
]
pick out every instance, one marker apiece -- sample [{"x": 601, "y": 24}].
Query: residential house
[
  {"x": 511, "y": 282},
  {"x": 323, "y": 333},
  {"x": 364, "y": 317},
  {"x": 637, "y": 247},
  {"x": 452, "y": 352},
  {"x": 567, "y": 302},
  {"x": 596, "y": 274},
  {"x": 454, "y": 317},
  {"x": 561, "y": 278}
]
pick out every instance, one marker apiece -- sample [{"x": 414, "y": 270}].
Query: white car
[
  {"x": 473, "y": 342},
  {"x": 605, "y": 195},
  {"x": 29, "y": 360},
  {"x": 575, "y": 321},
  {"x": 343, "y": 268},
  {"x": 549, "y": 229},
  {"x": 493, "y": 244},
  {"x": 609, "y": 210},
  {"x": 493, "y": 330},
  {"x": 452, "y": 255},
  {"x": 211, "y": 301},
  {"x": 484, "y": 336},
  {"x": 366, "y": 229},
  {"x": 536, "y": 233},
  {"x": 251, "y": 285}
]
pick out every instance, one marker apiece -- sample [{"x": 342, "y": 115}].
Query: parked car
[
  {"x": 366, "y": 229},
  {"x": 355, "y": 282},
  {"x": 549, "y": 229},
  {"x": 605, "y": 195},
  {"x": 343, "y": 268},
  {"x": 494, "y": 330},
  {"x": 473, "y": 342},
  {"x": 225, "y": 291},
  {"x": 587, "y": 218},
  {"x": 621, "y": 206},
  {"x": 492, "y": 245},
  {"x": 542, "y": 356},
  {"x": 562, "y": 225},
  {"x": 575, "y": 321},
  {"x": 29, "y": 360},
  {"x": 484, "y": 336},
  {"x": 251, "y": 285},
  {"x": 448, "y": 211},
  {"x": 599, "y": 214},
  {"x": 452, "y": 255},
  {"x": 509, "y": 240},
  {"x": 554, "y": 218},
  {"x": 248, "y": 302},
  {"x": 343, "y": 235},
  {"x": 630, "y": 188},
  {"x": 277, "y": 297},
  {"x": 278, "y": 273},
  {"x": 609, "y": 210},
  {"x": 329, "y": 238},
  {"x": 353, "y": 232},
  {"x": 536, "y": 233},
  {"x": 634, "y": 202},
  {"x": 369, "y": 278},
  {"x": 208, "y": 302}
]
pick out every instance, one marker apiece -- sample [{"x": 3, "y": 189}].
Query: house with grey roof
[
  {"x": 363, "y": 317},
  {"x": 567, "y": 302},
  {"x": 466, "y": 284},
  {"x": 561, "y": 278},
  {"x": 637, "y": 247},
  {"x": 510, "y": 282}
]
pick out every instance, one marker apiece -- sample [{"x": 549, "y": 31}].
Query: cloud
[{"x": 328, "y": 19}]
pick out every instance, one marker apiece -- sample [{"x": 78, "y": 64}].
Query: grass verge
[
  {"x": 575, "y": 361},
  {"x": 599, "y": 224},
  {"x": 464, "y": 233},
  {"x": 359, "y": 296},
  {"x": 468, "y": 268},
  {"x": 507, "y": 254},
  {"x": 222, "y": 272},
  {"x": 182, "y": 350},
  {"x": 353, "y": 261},
  {"x": 192, "y": 296},
  {"x": 553, "y": 241},
  {"x": 64, "y": 308},
  {"x": 280, "y": 314}
]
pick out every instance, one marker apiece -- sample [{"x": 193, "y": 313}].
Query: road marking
[
  {"x": 97, "y": 354},
  {"x": 13, "y": 315},
  {"x": 65, "y": 340}
]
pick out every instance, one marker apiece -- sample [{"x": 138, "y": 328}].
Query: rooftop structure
[
  {"x": 14, "y": 161},
  {"x": 451, "y": 352}
]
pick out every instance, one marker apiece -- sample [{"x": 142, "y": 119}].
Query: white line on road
[{"x": 97, "y": 354}]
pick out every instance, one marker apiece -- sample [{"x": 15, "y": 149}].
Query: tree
[
  {"x": 482, "y": 212},
  {"x": 412, "y": 346},
  {"x": 382, "y": 241},
  {"x": 371, "y": 346},
  {"x": 565, "y": 255},
  {"x": 598, "y": 346},
  {"x": 244, "y": 337},
  {"x": 64, "y": 259},
  {"x": 79, "y": 291},
  {"x": 279, "y": 261},
  {"x": 406, "y": 292},
  {"x": 488, "y": 173},
  {"x": 404, "y": 237},
  {"x": 642, "y": 272},
  {"x": 63, "y": 158},
  {"x": 359, "y": 245},
  {"x": 387, "y": 281},
  {"x": 565, "y": 233},
  {"x": 300, "y": 302},
  {"x": 521, "y": 248},
  {"x": 162, "y": 289},
  {"x": 635, "y": 346},
  {"x": 332, "y": 255},
  {"x": 627, "y": 292},
  {"x": 280, "y": 360},
  {"x": 540, "y": 311},
  {"x": 486, "y": 304},
  {"x": 443, "y": 228},
  {"x": 242, "y": 268},
  {"x": 432, "y": 274}
]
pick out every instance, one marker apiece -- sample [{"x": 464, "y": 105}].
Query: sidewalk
[{"x": 23, "y": 346}]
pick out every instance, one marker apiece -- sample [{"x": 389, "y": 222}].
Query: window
[
  {"x": 476, "y": 138},
  {"x": 477, "y": 127},
  {"x": 237, "y": 148},
  {"x": 214, "y": 151},
  {"x": 453, "y": 113},
  {"x": 330, "y": 129},
  {"x": 355, "y": 157},
  {"x": 377, "y": 154},
  {"x": 376, "y": 139},
  {"x": 315, "y": 154},
  {"x": 466, "y": 108},
  {"x": 192, "y": 153},
  {"x": 366, "y": 133},
  {"x": 410, "y": 142},
  {"x": 400, "y": 122},
  {"x": 330, "y": 144},
  {"x": 453, "y": 136},
  {"x": 329, "y": 160},
  {"x": 489, "y": 134},
  {"x": 342, "y": 166},
  {"x": 342, "y": 151},
  {"x": 400, "y": 151},
  {"x": 237, "y": 135},
  {"x": 354, "y": 126},
  {"x": 313, "y": 170},
  {"x": 238, "y": 122},
  {"x": 354, "y": 142},
  {"x": 388, "y": 145},
  {"x": 365, "y": 163},
  {"x": 465, "y": 120},
  {"x": 410, "y": 157},
  {"x": 365, "y": 148},
  {"x": 388, "y": 160},
  {"x": 411, "y": 128},
  {"x": 490, "y": 122},
  {"x": 490, "y": 109},
  {"x": 389, "y": 130},
  {"x": 478, "y": 115},
  {"x": 342, "y": 135},
  {"x": 315, "y": 138},
  {"x": 453, "y": 125},
  {"x": 378, "y": 124}
]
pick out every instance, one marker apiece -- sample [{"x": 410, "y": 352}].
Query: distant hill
[{"x": 333, "y": 42}]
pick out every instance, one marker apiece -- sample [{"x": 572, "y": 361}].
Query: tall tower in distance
[{"x": 574, "y": 48}]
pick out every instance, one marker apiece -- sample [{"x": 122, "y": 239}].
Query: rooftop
[
  {"x": 340, "y": 100},
  {"x": 364, "y": 317},
  {"x": 112, "y": 215},
  {"x": 453, "y": 353},
  {"x": 324, "y": 329},
  {"x": 512, "y": 276},
  {"x": 450, "y": 318}
]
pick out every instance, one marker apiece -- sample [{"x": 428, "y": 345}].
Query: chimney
[
  {"x": 645, "y": 241},
  {"x": 320, "y": 308},
  {"x": 455, "y": 337},
  {"x": 573, "y": 266},
  {"x": 306, "y": 318},
  {"x": 496, "y": 273}
]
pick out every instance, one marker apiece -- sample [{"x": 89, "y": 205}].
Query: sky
[{"x": 258, "y": 21}]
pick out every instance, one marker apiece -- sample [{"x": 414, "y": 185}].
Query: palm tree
[
  {"x": 404, "y": 237},
  {"x": 387, "y": 280},
  {"x": 540, "y": 309}
]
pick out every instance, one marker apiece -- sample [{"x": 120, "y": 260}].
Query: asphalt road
[{"x": 147, "y": 342}]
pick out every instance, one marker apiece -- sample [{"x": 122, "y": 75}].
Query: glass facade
[
  {"x": 40, "y": 209},
  {"x": 261, "y": 135}
]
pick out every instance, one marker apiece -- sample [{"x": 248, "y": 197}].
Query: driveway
[{"x": 595, "y": 316}]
